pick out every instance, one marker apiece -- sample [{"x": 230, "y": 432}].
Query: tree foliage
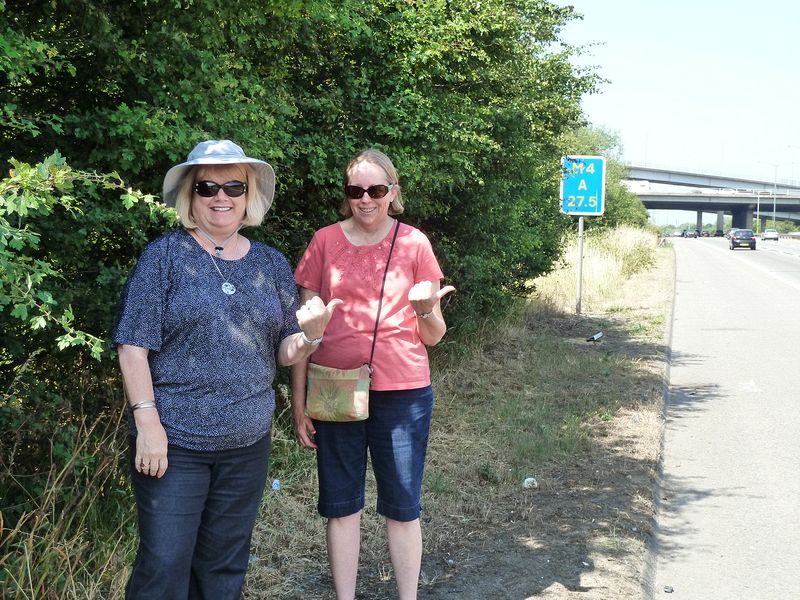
[
  {"x": 622, "y": 207},
  {"x": 471, "y": 99},
  {"x": 468, "y": 97},
  {"x": 65, "y": 245}
]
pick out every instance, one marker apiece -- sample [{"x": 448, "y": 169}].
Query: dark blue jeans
[{"x": 195, "y": 523}]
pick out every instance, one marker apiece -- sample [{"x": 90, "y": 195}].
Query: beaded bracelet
[{"x": 310, "y": 342}]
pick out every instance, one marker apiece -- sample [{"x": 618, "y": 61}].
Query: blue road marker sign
[{"x": 583, "y": 185}]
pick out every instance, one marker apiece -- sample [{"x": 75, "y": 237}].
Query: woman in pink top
[{"x": 346, "y": 262}]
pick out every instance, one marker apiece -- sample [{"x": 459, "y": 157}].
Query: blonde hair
[
  {"x": 255, "y": 209},
  {"x": 379, "y": 159}
]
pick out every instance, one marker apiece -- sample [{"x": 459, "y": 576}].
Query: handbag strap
[{"x": 380, "y": 298}]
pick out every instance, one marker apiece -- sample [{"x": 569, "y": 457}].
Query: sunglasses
[
  {"x": 355, "y": 192},
  {"x": 209, "y": 189}
]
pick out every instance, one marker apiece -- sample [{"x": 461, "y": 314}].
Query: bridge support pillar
[
  {"x": 742, "y": 218},
  {"x": 720, "y": 220},
  {"x": 699, "y": 222}
]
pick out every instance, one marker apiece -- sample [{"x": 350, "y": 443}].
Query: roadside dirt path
[{"x": 584, "y": 533}]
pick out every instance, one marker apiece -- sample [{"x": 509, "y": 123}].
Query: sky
[{"x": 707, "y": 86}]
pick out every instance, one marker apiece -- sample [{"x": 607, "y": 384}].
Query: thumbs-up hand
[
  {"x": 423, "y": 297},
  {"x": 314, "y": 316}
]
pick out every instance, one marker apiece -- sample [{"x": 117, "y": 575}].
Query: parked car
[
  {"x": 718, "y": 233},
  {"x": 770, "y": 234},
  {"x": 742, "y": 237}
]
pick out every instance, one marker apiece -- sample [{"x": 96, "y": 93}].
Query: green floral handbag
[{"x": 337, "y": 394}]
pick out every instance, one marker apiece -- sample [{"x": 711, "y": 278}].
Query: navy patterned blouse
[{"x": 212, "y": 355}]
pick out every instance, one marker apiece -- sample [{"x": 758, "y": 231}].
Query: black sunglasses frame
[
  {"x": 376, "y": 192},
  {"x": 209, "y": 189}
]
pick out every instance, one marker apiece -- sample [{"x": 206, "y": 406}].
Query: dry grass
[
  {"x": 71, "y": 547},
  {"x": 530, "y": 398}
]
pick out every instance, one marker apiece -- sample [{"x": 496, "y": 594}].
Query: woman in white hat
[{"x": 206, "y": 317}]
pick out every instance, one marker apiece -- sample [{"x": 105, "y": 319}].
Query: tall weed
[
  {"x": 610, "y": 256},
  {"x": 70, "y": 540}
]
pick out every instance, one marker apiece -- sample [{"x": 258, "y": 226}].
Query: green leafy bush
[
  {"x": 67, "y": 241},
  {"x": 470, "y": 100}
]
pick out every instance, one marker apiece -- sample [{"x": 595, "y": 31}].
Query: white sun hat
[{"x": 221, "y": 152}]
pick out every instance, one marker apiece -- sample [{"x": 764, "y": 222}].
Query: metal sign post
[
  {"x": 579, "y": 284},
  {"x": 583, "y": 185}
]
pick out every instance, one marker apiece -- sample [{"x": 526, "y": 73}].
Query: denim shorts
[{"x": 396, "y": 436}]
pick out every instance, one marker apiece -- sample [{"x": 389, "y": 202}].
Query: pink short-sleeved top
[{"x": 335, "y": 268}]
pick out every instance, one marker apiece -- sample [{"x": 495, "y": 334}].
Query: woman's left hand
[
  {"x": 424, "y": 296},
  {"x": 314, "y": 316}
]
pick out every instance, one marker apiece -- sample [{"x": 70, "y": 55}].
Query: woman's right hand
[
  {"x": 151, "y": 439},
  {"x": 304, "y": 429},
  {"x": 151, "y": 444}
]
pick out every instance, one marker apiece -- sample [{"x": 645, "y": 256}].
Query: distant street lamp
[
  {"x": 758, "y": 210},
  {"x": 758, "y": 194},
  {"x": 774, "y": 186},
  {"x": 774, "y": 190}
]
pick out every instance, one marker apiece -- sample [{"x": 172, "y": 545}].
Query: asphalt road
[{"x": 729, "y": 518}]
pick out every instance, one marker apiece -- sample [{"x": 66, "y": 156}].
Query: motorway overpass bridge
[{"x": 741, "y": 198}]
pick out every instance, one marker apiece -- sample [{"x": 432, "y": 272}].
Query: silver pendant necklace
[
  {"x": 227, "y": 287},
  {"x": 218, "y": 248}
]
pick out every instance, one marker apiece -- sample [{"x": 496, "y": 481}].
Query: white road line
[{"x": 792, "y": 284}]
